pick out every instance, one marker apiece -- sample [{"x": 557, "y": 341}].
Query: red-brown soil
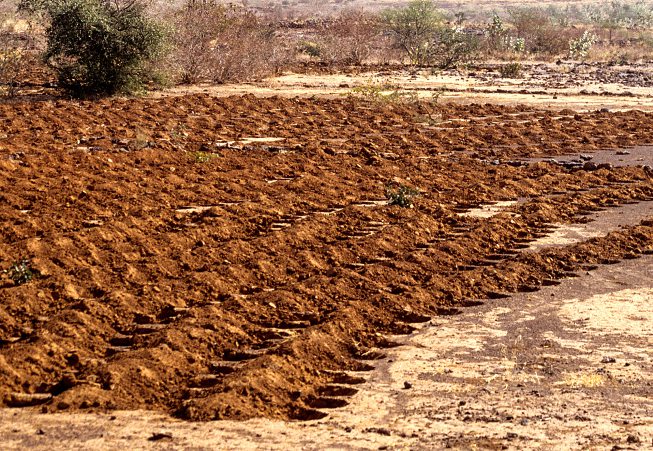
[{"x": 250, "y": 305}]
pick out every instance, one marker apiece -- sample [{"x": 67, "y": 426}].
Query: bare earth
[
  {"x": 544, "y": 85},
  {"x": 563, "y": 362},
  {"x": 568, "y": 367}
]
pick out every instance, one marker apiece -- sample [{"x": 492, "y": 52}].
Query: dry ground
[{"x": 234, "y": 257}]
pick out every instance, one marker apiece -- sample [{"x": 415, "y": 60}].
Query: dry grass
[{"x": 583, "y": 380}]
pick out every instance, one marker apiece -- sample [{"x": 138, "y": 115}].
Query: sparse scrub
[
  {"x": 18, "y": 45},
  {"x": 383, "y": 92},
  {"x": 224, "y": 44},
  {"x": 615, "y": 15},
  {"x": 12, "y": 63},
  {"x": 539, "y": 33},
  {"x": 201, "y": 156},
  {"x": 349, "y": 38}
]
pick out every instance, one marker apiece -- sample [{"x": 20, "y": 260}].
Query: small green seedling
[
  {"x": 21, "y": 272},
  {"x": 401, "y": 195}
]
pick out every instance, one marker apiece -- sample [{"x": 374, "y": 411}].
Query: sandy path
[{"x": 588, "y": 95}]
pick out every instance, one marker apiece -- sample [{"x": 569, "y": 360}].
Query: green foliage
[
  {"x": 309, "y": 48},
  {"x": 511, "y": 70},
  {"x": 420, "y": 31},
  {"x": 451, "y": 47},
  {"x": 100, "y": 46},
  {"x": 579, "y": 48},
  {"x": 401, "y": 195},
  {"x": 20, "y": 272},
  {"x": 614, "y": 15},
  {"x": 413, "y": 27},
  {"x": 201, "y": 156}
]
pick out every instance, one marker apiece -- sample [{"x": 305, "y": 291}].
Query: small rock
[
  {"x": 623, "y": 152},
  {"x": 633, "y": 439},
  {"x": 607, "y": 359},
  {"x": 156, "y": 436},
  {"x": 407, "y": 385}
]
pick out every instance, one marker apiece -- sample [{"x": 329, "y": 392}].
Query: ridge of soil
[{"x": 186, "y": 268}]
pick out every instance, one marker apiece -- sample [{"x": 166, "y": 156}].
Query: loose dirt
[
  {"x": 124, "y": 314},
  {"x": 230, "y": 258},
  {"x": 566, "y": 367}
]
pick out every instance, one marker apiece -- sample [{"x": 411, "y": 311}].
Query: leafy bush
[
  {"x": 413, "y": 27},
  {"x": 420, "y": 31},
  {"x": 451, "y": 47},
  {"x": 310, "y": 48},
  {"x": 99, "y": 46},
  {"x": 510, "y": 70},
  {"x": 579, "y": 48}
]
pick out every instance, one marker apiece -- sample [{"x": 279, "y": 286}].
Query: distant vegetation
[{"x": 99, "y": 47}]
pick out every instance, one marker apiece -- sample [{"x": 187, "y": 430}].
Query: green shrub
[
  {"x": 100, "y": 46},
  {"x": 579, "y": 48},
  {"x": 451, "y": 47},
  {"x": 510, "y": 70},
  {"x": 413, "y": 27},
  {"x": 401, "y": 195},
  {"x": 21, "y": 272},
  {"x": 309, "y": 48}
]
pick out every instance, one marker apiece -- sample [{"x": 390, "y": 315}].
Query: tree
[
  {"x": 413, "y": 27},
  {"x": 615, "y": 15},
  {"x": 99, "y": 46},
  {"x": 451, "y": 47}
]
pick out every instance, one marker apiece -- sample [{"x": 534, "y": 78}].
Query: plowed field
[{"x": 230, "y": 258}]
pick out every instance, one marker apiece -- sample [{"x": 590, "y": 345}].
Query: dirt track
[{"x": 189, "y": 269}]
